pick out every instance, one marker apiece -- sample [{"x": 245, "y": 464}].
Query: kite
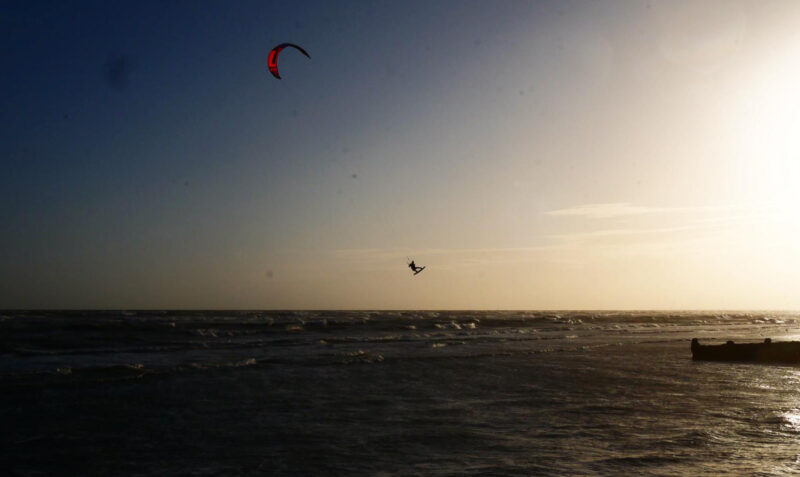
[{"x": 272, "y": 62}]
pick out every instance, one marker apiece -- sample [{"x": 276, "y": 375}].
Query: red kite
[{"x": 272, "y": 62}]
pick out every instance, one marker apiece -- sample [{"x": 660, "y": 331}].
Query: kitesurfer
[{"x": 414, "y": 268}]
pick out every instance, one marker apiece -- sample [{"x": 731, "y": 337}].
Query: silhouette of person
[{"x": 414, "y": 268}]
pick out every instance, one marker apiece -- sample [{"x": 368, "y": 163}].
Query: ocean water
[{"x": 392, "y": 393}]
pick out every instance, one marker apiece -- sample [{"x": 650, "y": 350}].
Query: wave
[
  {"x": 127, "y": 345},
  {"x": 112, "y": 372}
]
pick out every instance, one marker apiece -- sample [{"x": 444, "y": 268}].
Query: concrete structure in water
[{"x": 766, "y": 352}]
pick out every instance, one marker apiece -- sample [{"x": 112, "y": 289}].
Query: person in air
[{"x": 414, "y": 268}]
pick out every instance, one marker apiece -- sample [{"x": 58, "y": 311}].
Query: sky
[{"x": 530, "y": 154}]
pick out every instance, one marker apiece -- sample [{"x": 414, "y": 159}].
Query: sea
[{"x": 392, "y": 393}]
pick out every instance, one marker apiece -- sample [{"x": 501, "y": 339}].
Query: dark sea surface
[{"x": 392, "y": 393}]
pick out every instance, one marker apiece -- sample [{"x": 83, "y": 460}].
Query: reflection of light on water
[
  {"x": 792, "y": 378},
  {"x": 794, "y": 336},
  {"x": 792, "y": 419}
]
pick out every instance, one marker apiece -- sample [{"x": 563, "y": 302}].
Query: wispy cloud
[
  {"x": 593, "y": 234},
  {"x": 621, "y": 209},
  {"x": 704, "y": 230}
]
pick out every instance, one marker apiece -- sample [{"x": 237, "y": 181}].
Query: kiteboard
[{"x": 421, "y": 269}]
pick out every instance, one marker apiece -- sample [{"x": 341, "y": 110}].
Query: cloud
[
  {"x": 592, "y": 234},
  {"x": 621, "y": 209},
  {"x": 712, "y": 230}
]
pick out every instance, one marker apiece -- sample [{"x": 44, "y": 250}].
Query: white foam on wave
[
  {"x": 245, "y": 362},
  {"x": 452, "y": 326},
  {"x": 361, "y": 356}
]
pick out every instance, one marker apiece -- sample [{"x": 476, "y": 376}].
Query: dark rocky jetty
[{"x": 766, "y": 352}]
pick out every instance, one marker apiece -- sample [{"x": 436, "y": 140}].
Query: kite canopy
[{"x": 272, "y": 62}]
